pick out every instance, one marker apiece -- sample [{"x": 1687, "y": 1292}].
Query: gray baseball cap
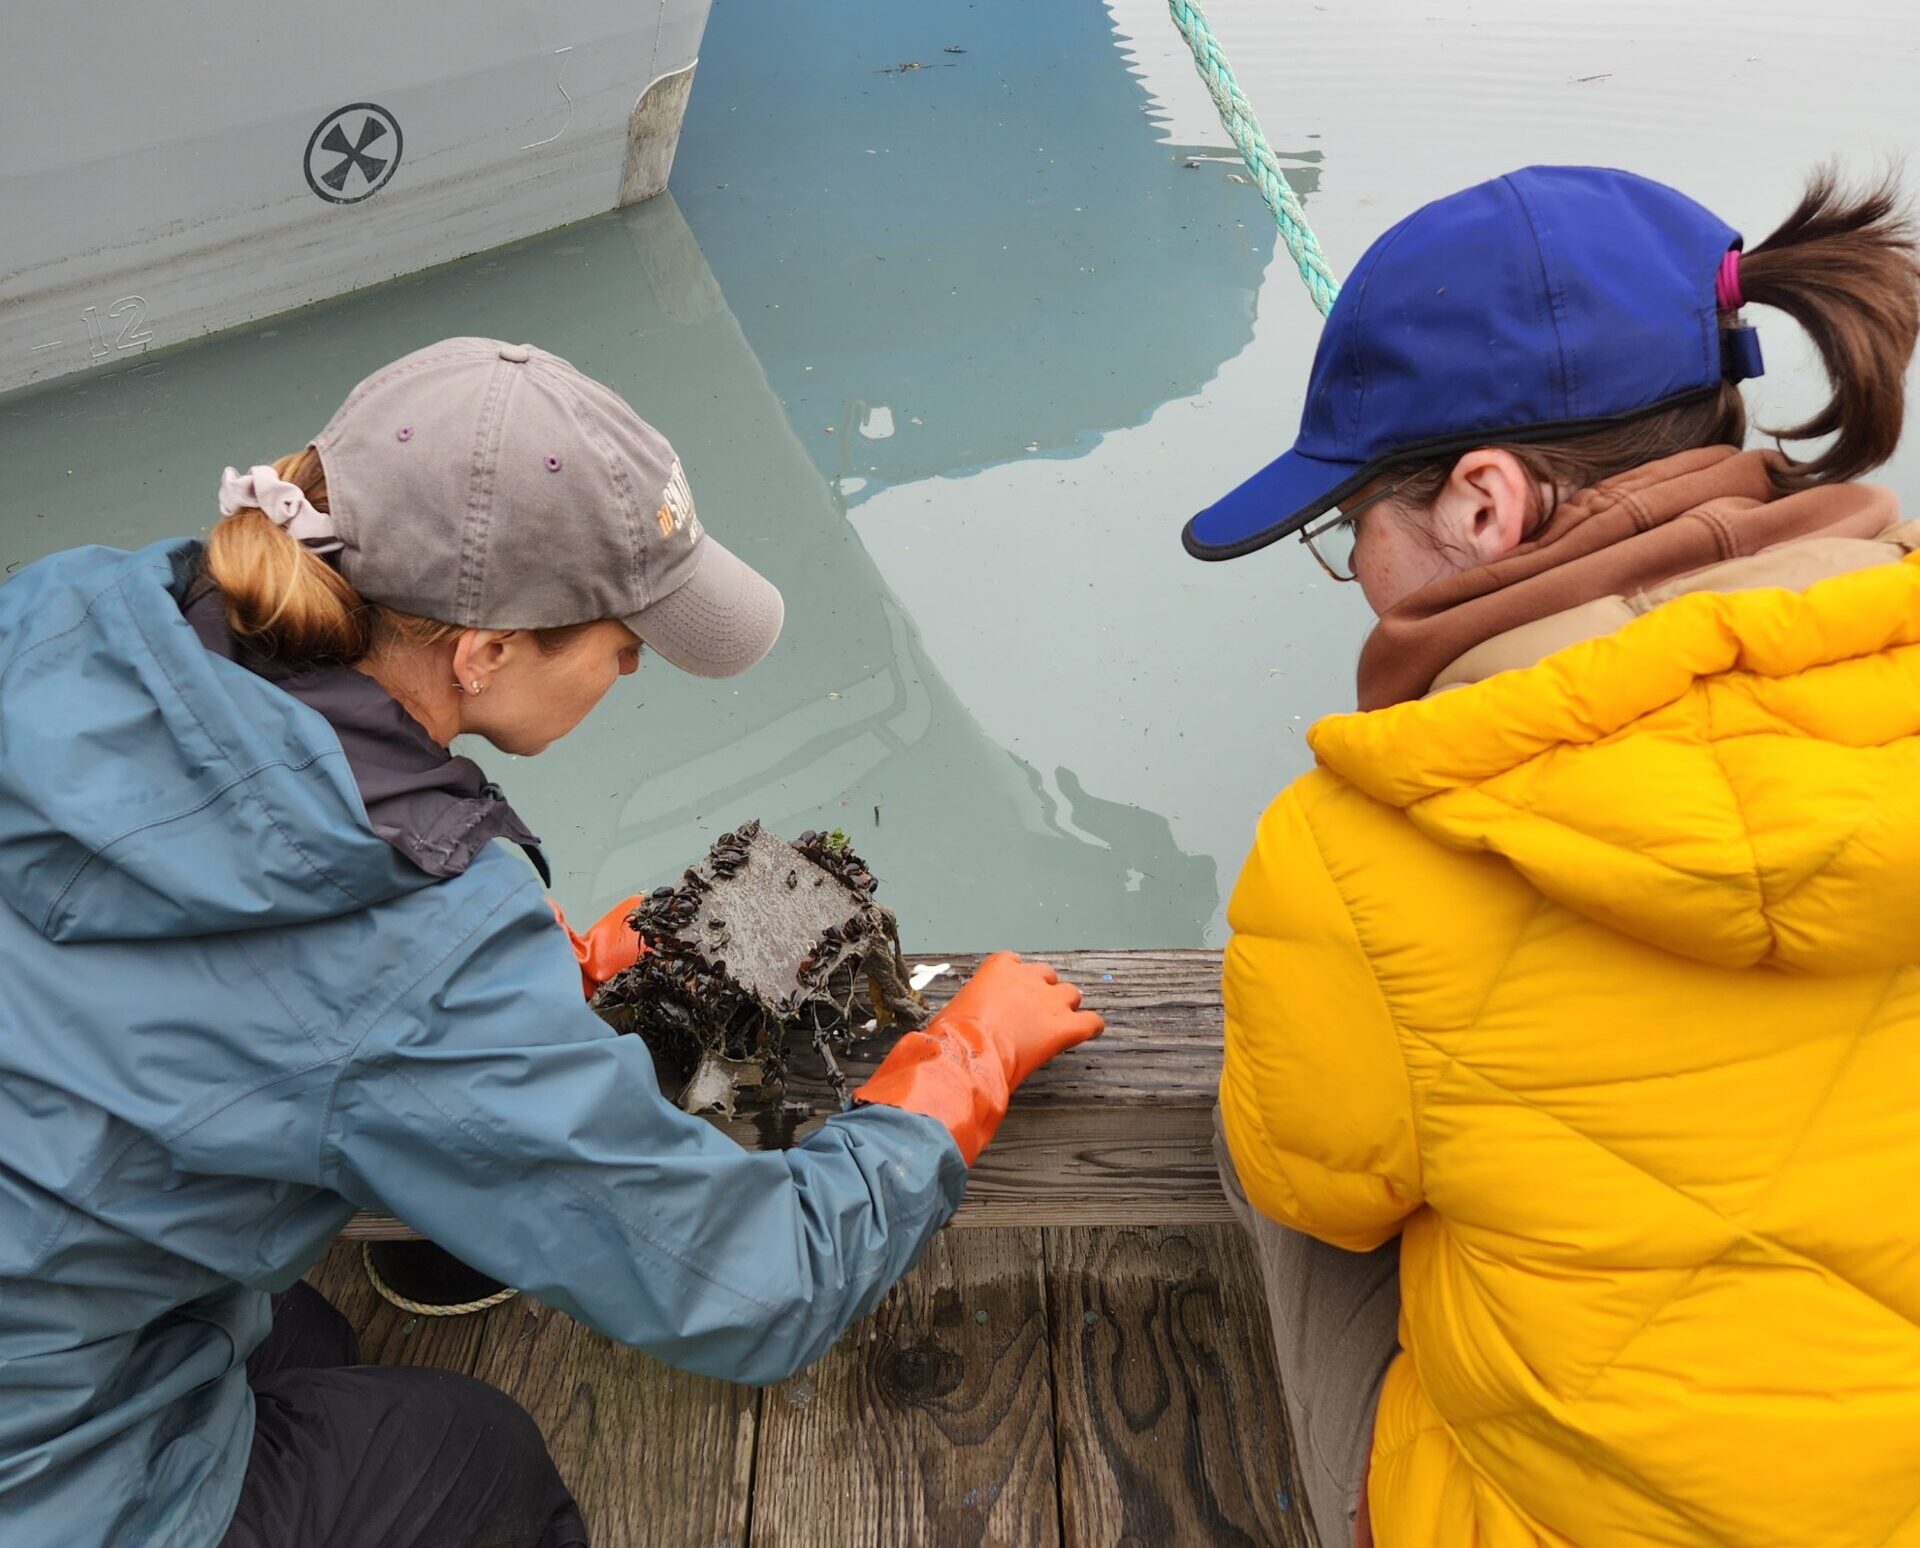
[{"x": 493, "y": 486}]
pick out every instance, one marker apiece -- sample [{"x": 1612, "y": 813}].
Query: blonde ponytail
[
  {"x": 283, "y": 600},
  {"x": 292, "y": 607}
]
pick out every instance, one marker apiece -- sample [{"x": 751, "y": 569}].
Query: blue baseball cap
[{"x": 1543, "y": 304}]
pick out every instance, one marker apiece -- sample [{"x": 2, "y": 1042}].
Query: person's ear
[
  {"x": 479, "y": 653},
  {"x": 1487, "y": 505}
]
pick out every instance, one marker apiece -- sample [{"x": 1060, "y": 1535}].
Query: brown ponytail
[
  {"x": 291, "y": 606},
  {"x": 282, "y": 599},
  {"x": 1842, "y": 265}
]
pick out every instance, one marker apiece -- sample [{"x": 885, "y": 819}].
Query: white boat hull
[{"x": 169, "y": 173}]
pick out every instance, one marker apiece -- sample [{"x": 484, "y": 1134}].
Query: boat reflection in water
[
  {"x": 847, "y": 724},
  {"x": 850, "y": 723},
  {"x": 996, "y": 253}
]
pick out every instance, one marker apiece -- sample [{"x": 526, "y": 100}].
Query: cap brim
[
  {"x": 718, "y": 622},
  {"x": 1281, "y": 498}
]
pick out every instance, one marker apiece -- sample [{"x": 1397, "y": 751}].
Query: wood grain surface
[
  {"x": 1067, "y": 1388},
  {"x": 389, "y": 1336},
  {"x": 1169, "y": 1414},
  {"x": 656, "y": 1457},
  {"x": 1116, "y": 1132},
  {"x": 931, "y": 1422}
]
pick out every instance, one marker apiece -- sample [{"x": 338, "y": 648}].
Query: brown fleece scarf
[{"x": 1629, "y": 532}]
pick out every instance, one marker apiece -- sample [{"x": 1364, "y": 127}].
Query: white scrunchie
[{"x": 284, "y": 504}]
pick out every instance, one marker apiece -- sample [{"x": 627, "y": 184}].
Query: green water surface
[{"x": 950, "y": 353}]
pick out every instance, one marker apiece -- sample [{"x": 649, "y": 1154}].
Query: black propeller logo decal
[{"x": 353, "y": 153}]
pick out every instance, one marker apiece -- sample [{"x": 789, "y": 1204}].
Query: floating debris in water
[{"x": 762, "y": 944}]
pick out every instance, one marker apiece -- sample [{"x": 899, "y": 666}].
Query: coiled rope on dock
[
  {"x": 1236, "y": 114},
  {"x": 393, "y": 1297}
]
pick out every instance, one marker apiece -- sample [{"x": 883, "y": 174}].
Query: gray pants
[{"x": 1336, "y": 1317}]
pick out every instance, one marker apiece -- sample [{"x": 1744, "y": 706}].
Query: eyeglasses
[{"x": 1333, "y": 541}]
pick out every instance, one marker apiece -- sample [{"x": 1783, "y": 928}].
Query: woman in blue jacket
[{"x": 263, "y": 968}]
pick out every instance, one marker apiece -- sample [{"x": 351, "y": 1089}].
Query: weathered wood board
[
  {"x": 1020, "y": 1388},
  {"x": 656, "y": 1457},
  {"x": 1116, "y": 1132},
  {"x": 1171, "y": 1428},
  {"x": 388, "y": 1335},
  {"x": 930, "y": 1422}
]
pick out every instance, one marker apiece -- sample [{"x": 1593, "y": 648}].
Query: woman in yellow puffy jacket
[{"x": 1572, "y": 1085}]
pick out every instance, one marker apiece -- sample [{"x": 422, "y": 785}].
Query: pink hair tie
[
  {"x": 1726, "y": 284},
  {"x": 284, "y": 504}
]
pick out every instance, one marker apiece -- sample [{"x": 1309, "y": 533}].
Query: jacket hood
[
  {"x": 1734, "y": 777},
  {"x": 149, "y": 788}
]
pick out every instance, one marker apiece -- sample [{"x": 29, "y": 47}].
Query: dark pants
[{"x": 373, "y": 1456}]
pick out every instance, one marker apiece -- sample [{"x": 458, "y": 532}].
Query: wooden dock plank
[
  {"x": 1116, "y": 1132},
  {"x": 389, "y": 1336},
  {"x": 930, "y": 1423},
  {"x": 1171, "y": 1425},
  {"x": 1119, "y": 1390},
  {"x": 1067, "y": 1166},
  {"x": 656, "y": 1457}
]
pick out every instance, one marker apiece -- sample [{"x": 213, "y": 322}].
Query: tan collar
[
  {"x": 1791, "y": 566},
  {"x": 1639, "y": 529}
]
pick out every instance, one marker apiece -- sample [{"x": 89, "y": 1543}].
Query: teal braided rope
[{"x": 1236, "y": 114}]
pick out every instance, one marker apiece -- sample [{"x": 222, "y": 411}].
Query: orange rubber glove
[
  {"x": 1010, "y": 1018},
  {"x": 610, "y": 945}
]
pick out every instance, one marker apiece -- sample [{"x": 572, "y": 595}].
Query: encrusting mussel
[{"x": 797, "y": 965}]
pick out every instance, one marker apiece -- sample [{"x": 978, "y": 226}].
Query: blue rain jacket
[{"x": 231, "y": 1014}]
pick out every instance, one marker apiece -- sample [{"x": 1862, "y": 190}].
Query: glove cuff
[{"x": 941, "y": 1075}]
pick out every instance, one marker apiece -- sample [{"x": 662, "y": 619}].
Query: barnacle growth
[{"x": 762, "y": 945}]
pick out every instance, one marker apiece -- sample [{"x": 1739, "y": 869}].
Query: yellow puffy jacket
[{"x": 1596, "y": 980}]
